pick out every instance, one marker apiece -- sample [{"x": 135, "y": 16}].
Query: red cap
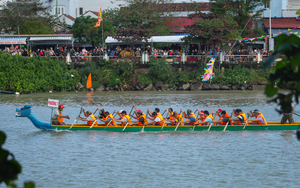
[
  {"x": 61, "y": 106},
  {"x": 220, "y": 110},
  {"x": 202, "y": 111},
  {"x": 139, "y": 110}
]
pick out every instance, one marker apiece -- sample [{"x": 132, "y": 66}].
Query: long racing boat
[{"x": 26, "y": 112}]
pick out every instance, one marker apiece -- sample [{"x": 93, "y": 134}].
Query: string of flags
[{"x": 265, "y": 37}]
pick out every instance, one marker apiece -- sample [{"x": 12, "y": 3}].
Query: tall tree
[
  {"x": 84, "y": 31},
  {"x": 20, "y": 16},
  {"x": 140, "y": 20},
  {"x": 241, "y": 10},
  {"x": 211, "y": 29}
]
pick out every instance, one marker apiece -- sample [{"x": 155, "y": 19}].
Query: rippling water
[{"x": 182, "y": 159}]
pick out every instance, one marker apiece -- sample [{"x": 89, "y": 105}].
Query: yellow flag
[{"x": 89, "y": 81}]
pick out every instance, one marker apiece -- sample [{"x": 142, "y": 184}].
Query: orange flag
[{"x": 89, "y": 81}]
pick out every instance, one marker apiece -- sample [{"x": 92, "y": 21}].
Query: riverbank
[
  {"x": 19, "y": 74},
  {"x": 159, "y": 75}
]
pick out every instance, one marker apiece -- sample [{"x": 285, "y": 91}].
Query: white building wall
[{"x": 94, "y": 5}]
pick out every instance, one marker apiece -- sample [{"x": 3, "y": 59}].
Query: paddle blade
[{"x": 89, "y": 81}]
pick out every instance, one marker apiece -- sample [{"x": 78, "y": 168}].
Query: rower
[
  {"x": 191, "y": 119},
  {"x": 171, "y": 116},
  {"x": 208, "y": 119},
  {"x": 124, "y": 118},
  {"x": 189, "y": 111},
  {"x": 142, "y": 119},
  {"x": 201, "y": 114},
  {"x": 90, "y": 118},
  {"x": 107, "y": 118},
  {"x": 136, "y": 111},
  {"x": 259, "y": 118},
  {"x": 218, "y": 113},
  {"x": 58, "y": 118},
  {"x": 155, "y": 110},
  {"x": 178, "y": 119},
  {"x": 224, "y": 119},
  {"x": 156, "y": 120},
  {"x": 241, "y": 117}
]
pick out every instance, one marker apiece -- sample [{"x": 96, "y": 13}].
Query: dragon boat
[{"x": 26, "y": 112}]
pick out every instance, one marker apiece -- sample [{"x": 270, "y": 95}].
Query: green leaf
[
  {"x": 29, "y": 185},
  {"x": 296, "y": 60},
  {"x": 2, "y": 138},
  {"x": 268, "y": 62},
  {"x": 270, "y": 90}
]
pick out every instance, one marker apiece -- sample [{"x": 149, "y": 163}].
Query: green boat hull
[{"x": 274, "y": 127}]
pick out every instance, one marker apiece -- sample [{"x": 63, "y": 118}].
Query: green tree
[
  {"x": 26, "y": 17},
  {"x": 298, "y": 12},
  {"x": 241, "y": 10},
  {"x": 211, "y": 29},
  {"x": 287, "y": 72},
  {"x": 84, "y": 31},
  {"x": 140, "y": 20}
]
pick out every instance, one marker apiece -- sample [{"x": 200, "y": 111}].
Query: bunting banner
[
  {"x": 289, "y": 31},
  {"x": 99, "y": 18}
]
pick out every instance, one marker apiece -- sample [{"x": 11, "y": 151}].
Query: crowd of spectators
[{"x": 83, "y": 54}]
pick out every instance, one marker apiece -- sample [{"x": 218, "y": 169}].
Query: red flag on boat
[{"x": 89, "y": 81}]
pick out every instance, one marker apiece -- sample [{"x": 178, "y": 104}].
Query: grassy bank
[
  {"x": 110, "y": 74},
  {"x": 22, "y": 74}
]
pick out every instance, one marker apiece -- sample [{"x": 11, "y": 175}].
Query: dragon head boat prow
[
  {"x": 26, "y": 112},
  {"x": 23, "y": 112}
]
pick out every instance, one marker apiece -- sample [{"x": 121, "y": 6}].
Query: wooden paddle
[
  {"x": 144, "y": 122},
  {"x": 296, "y": 114},
  {"x": 164, "y": 122},
  {"x": 76, "y": 119},
  {"x": 125, "y": 126},
  {"x": 177, "y": 126},
  {"x": 131, "y": 110},
  {"x": 93, "y": 124},
  {"x": 209, "y": 126},
  {"x": 226, "y": 126}
]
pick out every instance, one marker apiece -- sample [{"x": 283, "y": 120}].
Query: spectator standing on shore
[
  {"x": 51, "y": 51},
  {"x": 11, "y": 49}
]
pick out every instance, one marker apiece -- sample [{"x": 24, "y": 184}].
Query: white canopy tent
[{"x": 154, "y": 39}]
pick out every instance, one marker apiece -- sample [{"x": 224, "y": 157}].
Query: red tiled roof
[
  {"x": 68, "y": 16},
  {"x": 182, "y": 7},
  {"x": 94, "y": 12},
  {"x": 282, "y": 23}
]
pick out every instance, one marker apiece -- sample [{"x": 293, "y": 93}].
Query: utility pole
[
  {"x": 102, "y": 34},
  {"x": 271, "y": 40},
  {"x": 56, "y": 14}
]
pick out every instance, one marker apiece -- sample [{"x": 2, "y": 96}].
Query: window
[
  {"x": 267, "y": 4},
  {"x": 59, "y": 10},
  {"x": 80, "y": 11}
]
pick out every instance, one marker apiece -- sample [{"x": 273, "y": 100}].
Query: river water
[{"x": 162, "y": 159}]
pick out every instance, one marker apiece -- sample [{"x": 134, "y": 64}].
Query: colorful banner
[
  {"x": 268, "y": 36},
  {"x": 208, "y": 71},
  {"x": 99, "y": 18}
]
